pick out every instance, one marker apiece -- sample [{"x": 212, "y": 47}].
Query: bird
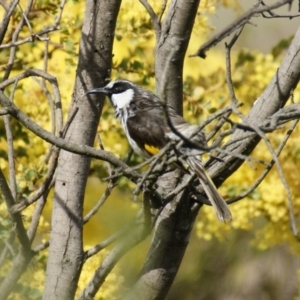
[{"x": 144, "y": 121}]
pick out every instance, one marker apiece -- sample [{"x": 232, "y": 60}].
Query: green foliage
[
  {"x": 281, "y": 46},
  {"x": 5, "y": 223}
]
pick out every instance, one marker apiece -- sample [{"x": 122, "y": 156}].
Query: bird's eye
[{"x": 118, "y": 89}]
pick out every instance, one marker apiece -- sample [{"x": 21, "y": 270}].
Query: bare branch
[
  {"x": 36, "y": 36},
  {"x": 201, "y": 52},
  {"x": 283, "y": 115},
  {"x": 155, "y": 19},
  {"x": 11, "y": 157},
  {"x": 45, "y": 186},
  {"x": 4, "y": 5},
  {"x": 135, "y": 235},
  {"x": 168, "y": 246},
  {"x": 272, "y": 15},
  {"x": 174, "y": 38},
  {"x": 20, "y": 264},
  {"x": 260, "y": 133},
  {"x": 163, "y": 9},
  {"x": 61, "y": 143},
  {"x": 10, "y": 8},
  {"x": 31, "y": 232},
  {"x": 25, "y": 254},
  {"x": 266, "y": 171},
  {"x": 220, "y": 124},
  {"x": 7, "y": 248},
  {"x": 41, "y": 247},
  {"x": 97, "y": 248},
  {"x": 15, "y": 218},
  {"x": 153, "y": 164},
  {"x": 101, "y": 201},
  {"x": 14, "y": 39},
  {"x": 72, "y": 115}
]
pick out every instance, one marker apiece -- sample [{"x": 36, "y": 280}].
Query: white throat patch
[{"x": 122, "y": 100}]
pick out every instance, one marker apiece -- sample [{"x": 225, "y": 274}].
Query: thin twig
[
  {"x": 154, "y": 18},
  {"x": 241, "y": 156},
  {"x": 162, "y": 10},
  {"x": 41, "y": 247},
  {"x": 43, "y": 192},
  {"x": 97, "y": 248},
  {"x": 11, "y": 157},
  {"x": 31, "y": 231},
  {"x": 62, "y": 133},
  {"x": 37, "y": 36},
  {"x": 24, "y": 15},
  {"x": 15, "y": 36},
  {"x": 108, "y": 166},
  {"x": 266, "y": 171},
  {"x": 157, "y": 158},
  {"x": 5, "y": 250},
  {"x": 49, "y": 179},
  {"x": 135, "y": 234},
  {"x": 201, "y": 52},
  {"x": 62, "y": 143},
  {"x": 15, "y": 218},
  {"x": 6, "y": 18},
  {"x": 272, "y": 15},
  {"x": 260, "y": 133},
  {"x": 219, "y": 125},
  {"x": 46, "y": 185},
  {"x": 101, "y": 201}
]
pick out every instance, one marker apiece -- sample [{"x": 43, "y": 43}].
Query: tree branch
[
  {"x": 268, "y": 104},
  {"x": 134, "y": 236},
  {"x": 266, "y": 171},
  {"x": 259, "y": 132},
  {"x": 155, "y": 19},
  {"x": 6, "y": 19},
  {"x": 201, "y": 52},
  {"x": 25, "y": 254},
  {"x": 62, "y": 143},
  {"x": 66, "y": 255},
  {"x": 174, "y": 38}
]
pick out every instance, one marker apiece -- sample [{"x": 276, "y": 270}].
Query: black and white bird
[{"x": 143, "y": 118}]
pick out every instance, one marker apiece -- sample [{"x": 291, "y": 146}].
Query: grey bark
[
  {"x": 168, "y": 246},
  {"x": 175, "y": 222},
  {"x": 173, "y": 229},
  {"x": 66, "y": 249},
  {"x": 271, "y": 100},
  {"x": 24, "y": 254},
  {"x": 173, "y": 40}
]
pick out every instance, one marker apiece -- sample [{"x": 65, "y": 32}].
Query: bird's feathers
[
  {"x": 146, "y": 126},
  {"x": 213, "y": 195}
]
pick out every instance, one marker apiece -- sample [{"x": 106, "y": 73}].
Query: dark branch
[{"x": 201, "y": 52}]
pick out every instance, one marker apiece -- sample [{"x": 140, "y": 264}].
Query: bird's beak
[{"x": 98, "y": 91}]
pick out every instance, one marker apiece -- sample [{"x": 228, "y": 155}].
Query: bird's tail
[{"x": 214, "y": 197}]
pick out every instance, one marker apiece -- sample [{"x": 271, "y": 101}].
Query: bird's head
[{"x": 120, "y": 92}]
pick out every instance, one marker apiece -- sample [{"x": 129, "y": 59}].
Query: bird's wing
[
  {"x": 147, "y": 127},
  {"x": 191, "y": 132}
]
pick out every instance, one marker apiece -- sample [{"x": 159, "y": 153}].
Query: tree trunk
[
  {"x": 176, "y": 221},
  {"x": 171, "y": 47},
  {"x": 66, "y": 249}
]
